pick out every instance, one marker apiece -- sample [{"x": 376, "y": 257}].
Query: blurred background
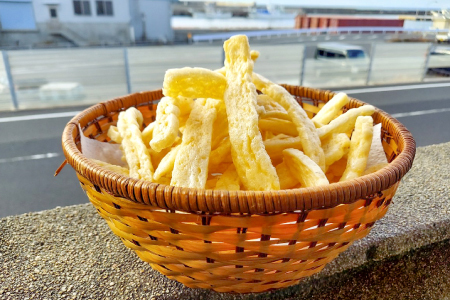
[{"x": 60, "y": 56}]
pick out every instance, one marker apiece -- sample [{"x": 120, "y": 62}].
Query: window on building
[
  {"x": 82, "y": 7},
  {"x": 53, "y": 13},
  {"x": 104, "y": 8}
]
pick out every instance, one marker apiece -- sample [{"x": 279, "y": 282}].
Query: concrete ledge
[{"x": 70, "y": 252}]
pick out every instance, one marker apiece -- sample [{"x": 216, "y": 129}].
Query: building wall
[
  {"x": 66, "y": 12},
  {"x": 151, "y": 20},
  {"x": 84, "y": 30}
]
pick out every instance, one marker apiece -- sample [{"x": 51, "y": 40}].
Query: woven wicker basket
[{"x": 236, "y": 241}]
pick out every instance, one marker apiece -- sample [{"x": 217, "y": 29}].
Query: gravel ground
[{"x": 70, "y": 252}]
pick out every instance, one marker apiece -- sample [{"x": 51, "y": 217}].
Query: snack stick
[
  {"x": 191, "y": 162},
  {"x": 229, "y": 180},
  {"x": 275, "y": 146},
  {"x": 114, "y": 135},
  {"x": 306, "y": 130},
  {"x": 304, "y": 169},
  {"x": 254, "y": 54},
  {"x": 269, "y": 104},
  {"x": 278, "y": 126},
  {"x": 136, "y": 153},
  {"x": 147, "y": 133},
  {"x": 330, "y": 110},
  {"x": 345, "y": 122},
  {"x": 335, "y": 148},
  {"x": 220, "y": 154},
  {"x": 276, "y": 115},
  {"x": 287, "y": 179},
  {"x": 251, "y": 160},
  {"x": 166, "y": 164},
  {"x": 194, "y": 83},
  {"x": 220, "y": 126},
  {"x": 114, "y": 168},
  {"x": 165, "y": 130},
  {"x": 359, "y": 148}
]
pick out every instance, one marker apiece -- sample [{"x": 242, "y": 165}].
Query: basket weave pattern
[{"x": 236, "y": 241}]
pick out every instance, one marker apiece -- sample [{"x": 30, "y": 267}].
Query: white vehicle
[
  {"x": 443, "y": 37},
  {"x": 351, "y": 57},
  {"x": 339, "y": 64}
]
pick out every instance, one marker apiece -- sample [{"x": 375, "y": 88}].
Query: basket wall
[{"x": 229, "y": 241}]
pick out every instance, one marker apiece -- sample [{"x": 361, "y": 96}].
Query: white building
[{"x": 84, "y": 22}]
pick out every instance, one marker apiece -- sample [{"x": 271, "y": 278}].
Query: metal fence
[{"x": 66, "y": 77}]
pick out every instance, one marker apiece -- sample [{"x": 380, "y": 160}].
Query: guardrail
[
  {"x": 309, "y": 31},
  {"x": 65, "y": 77}
]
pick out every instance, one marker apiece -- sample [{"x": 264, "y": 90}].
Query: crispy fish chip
[
  {"x": 191, "y": 162},
  {"x": 220, "y": 154},
  {"x": 220, "y": 126},
  {"x": 166, "y": 126},
  {"x": 166, "y": 164},
  {"x": 278, "y": 126},
  {"x": 254, "y": 54},
  {"x": 287, "y": 180},
  {"x": 114, "y": 135},
  {"x": 136, "y": 153},
  {"x": 335, "y": 148},
  {"x": 306, "y": 130},
  {"x": 359, "y": 148},
  {"x": 275, "y": 146},
  {"x": 194, "y": 83},
  {"x": 147, "y": 133},
  {"x": 304, "y": 169},
  {"x": 345, "y": 122},
  {"x": 229, "y": 180},
  {"x": 118, "y": 169},
  {"x": 330, "y": 110},
  {"x": 251, "y": 160}
]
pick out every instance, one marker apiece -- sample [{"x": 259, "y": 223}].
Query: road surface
[{"x": 30, "y": 147}]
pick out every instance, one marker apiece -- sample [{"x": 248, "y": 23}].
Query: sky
[{"x": 374, "y": 4}]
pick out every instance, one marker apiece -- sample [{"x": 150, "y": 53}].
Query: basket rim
[{"x": 222, "y": 201}]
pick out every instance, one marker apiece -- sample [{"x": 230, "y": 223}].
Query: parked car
[
  {"x": 341, "y": 58},
  {"x": 443, "y": 37}
]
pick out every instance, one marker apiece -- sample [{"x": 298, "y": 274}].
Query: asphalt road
[{"x": 30, "y": 150}]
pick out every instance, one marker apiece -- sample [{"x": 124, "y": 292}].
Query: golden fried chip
[
  {"x": 118, "y": 169},
  {"x": 191, "y": 162},
  {"x": 194, "y": 83},
  {"x": 345, "y": 122},
  {"x": 166, "y": 164},
  {"x": 359, "y": 148},
  {"x": 306, "y": 130},
  {"x": 254, "y": 54},
  {"x": 114, "y": 135},
  {"x": 220, "y": 126},
  {"x": 278, "y": 126},
  {"x": 287, "y": 180},
  {"x": 330, "y": 110},
  {"x": 220, "y": 154},
  {"x": 147, "y": 133},
  {"x": 275, "y": 146},
  {"x": 251, "y": 160},
  {"x": 166, "y": 126},
  {"x": 335, "y": 147},
  {"x": 229, "y": 180},
  {"x": 136, "y": 153},
  {"x": 304, "y": 169}
]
